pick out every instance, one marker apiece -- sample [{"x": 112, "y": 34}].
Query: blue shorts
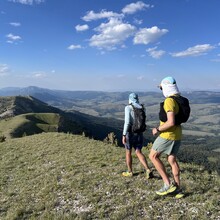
[{"x": 134, "y": 140}]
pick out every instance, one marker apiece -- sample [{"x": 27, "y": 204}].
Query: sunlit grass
[{"x": 64, "y": 176}]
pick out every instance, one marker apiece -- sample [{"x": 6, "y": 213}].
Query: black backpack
[
  {"x": 138, "y": 125},
  {"x": 184, "y": 110}
]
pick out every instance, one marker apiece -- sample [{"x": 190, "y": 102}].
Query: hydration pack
[
  {"x": 138, "y": 125},
  {"x": 184, "y": 110}
]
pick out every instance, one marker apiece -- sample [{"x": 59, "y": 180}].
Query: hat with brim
[{"x": 166, "y": 81}]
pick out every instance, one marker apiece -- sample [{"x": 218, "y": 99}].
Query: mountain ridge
[
  {"x": 42, "y": 93},
  {"x": 14, "y": 108}
]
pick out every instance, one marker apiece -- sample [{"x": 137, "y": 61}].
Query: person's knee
[
  {"x": 138, "y": 152},
  {"x": 153, "y": 155},
  {"x": 172, "y": 160}
]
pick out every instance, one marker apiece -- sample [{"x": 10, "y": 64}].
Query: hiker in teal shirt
[{"x": 133, "y": 140}]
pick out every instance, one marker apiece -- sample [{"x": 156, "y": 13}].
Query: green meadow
[{"x": 65, "y": 176}]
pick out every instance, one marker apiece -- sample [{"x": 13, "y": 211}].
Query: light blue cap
[
  {"x": 168, "y": 80},
  {"x": 133, "y": 98}
]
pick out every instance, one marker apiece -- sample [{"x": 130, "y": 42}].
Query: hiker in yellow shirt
[{"x": 169, "y": 139}]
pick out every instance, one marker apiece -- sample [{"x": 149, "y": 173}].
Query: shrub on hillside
[
  {"x": 2, "y": 138},
  {"x": 111, "y": 139}
]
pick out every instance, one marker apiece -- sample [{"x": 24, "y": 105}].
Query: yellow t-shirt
[{"x": 174, "y": 133}]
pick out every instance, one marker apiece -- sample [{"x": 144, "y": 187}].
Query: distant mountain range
[
  {"x": 53, "y": 95},
  {"x": 97, "y": 113},
  {"x": 62, "y": 96}
]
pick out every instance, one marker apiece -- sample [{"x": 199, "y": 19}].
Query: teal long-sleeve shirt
[{"x": 129, "y": 117}]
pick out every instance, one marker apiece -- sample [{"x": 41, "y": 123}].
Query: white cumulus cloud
[
  {"x": 197, "y": 50},
  {"x": 138, "y": 22},
  {"x": 112, "y": 33},
  {"x": 39, "y": 75},
  {"x": 91, "y": 15},
  {"x": 148, "y": 35},
  {"x": 4, "y": 69},
  {"x": 134, "y": 7},
  {"x": 12, "y": 38},
  {"x": 74, "y": 47},
  {"x": 15, "y": 24},
  {"x": 156, "y": 54},
  {"x": 82, "y": 27},
  {"x": 27, "y": 2}
]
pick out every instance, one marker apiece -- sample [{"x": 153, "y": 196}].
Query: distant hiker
[
  {"x": 169, "y": 139},
  {"x": 134, "y": 126}
]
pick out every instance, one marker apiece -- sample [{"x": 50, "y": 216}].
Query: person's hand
[
  {"x": 124, "y": 140},
  {"x": 155, "y": 131}
]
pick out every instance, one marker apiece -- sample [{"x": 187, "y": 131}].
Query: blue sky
[{"x": 109, "y": 45}]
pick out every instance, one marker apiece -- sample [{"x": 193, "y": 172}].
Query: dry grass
[{"x": 64, "y": 176}]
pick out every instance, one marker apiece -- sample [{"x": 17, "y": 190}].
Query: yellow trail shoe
[
  {"x": 166, "y": 189},
  {"x": 127, "y": 174},
  {"x": 179, "y": 193},
  {"x": 149, "y": 174}
]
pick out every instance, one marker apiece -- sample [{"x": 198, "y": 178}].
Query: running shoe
[
  {"x": 149, "y": 174},
  {"x": 166, "y": 189},
  {"x": 179, "y": 193},
  {"x": 127, "y": 174}
]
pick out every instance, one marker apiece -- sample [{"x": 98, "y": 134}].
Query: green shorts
[{"x": 165, "y": 146}]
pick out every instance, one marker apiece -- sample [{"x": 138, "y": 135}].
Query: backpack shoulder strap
[
  {"x": 176, "y": 98},
  {"x": 132, "y": 106},
  {"x": 142, "y": 105}
]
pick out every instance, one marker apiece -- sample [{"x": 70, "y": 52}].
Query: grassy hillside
[
  {"x": 28, "y": 124},
  {"x": 64, "y": 176},
  {"x": 16, "y": 105},
  {"x": 27, "y": 115}
]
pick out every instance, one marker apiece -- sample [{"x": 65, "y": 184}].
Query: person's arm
[
  {"x": 168, "y": 124},
  {"x": 126, "y": 124},
  {"x": 124, "y": 139}
]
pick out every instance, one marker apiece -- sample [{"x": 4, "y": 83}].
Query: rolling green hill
[
  {"x": 64, "y": 176},
  {"x": 27, "y": 115},
  {"x": 17, "y": 105},
  {"x": 28, "y": 124}
]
